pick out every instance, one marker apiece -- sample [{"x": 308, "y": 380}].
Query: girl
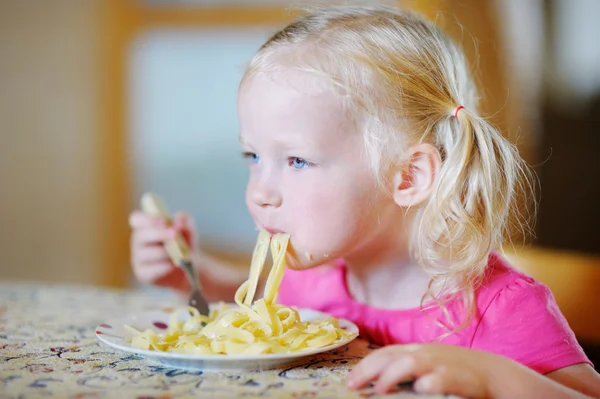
[{"x": 363, "y": 141}]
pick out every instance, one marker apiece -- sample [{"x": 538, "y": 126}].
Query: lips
[{"x": 272, "y": 230}]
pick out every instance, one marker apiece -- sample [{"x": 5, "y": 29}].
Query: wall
[{"x": 49, "y": 126}]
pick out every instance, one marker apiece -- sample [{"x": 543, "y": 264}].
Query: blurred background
[{"x": 102, "y": 100}]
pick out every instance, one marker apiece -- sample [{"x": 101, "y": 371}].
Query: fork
[{"x": 178, "y": 250}]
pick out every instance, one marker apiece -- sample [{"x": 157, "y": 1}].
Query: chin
[
  {"x": 304, "y": 261},
  {"x": 295, "y": 263},
  {"x": 299, "y": 258}
]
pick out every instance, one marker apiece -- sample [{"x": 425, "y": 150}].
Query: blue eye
[
  {"x": 298, "y": 163},
  {"x": 252, "y": 157}
]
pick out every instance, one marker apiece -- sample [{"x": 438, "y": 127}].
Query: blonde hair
[{"x": 406, "y": 79}]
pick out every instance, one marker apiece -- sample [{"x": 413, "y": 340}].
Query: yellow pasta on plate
[{"x": 253, "y": 333}]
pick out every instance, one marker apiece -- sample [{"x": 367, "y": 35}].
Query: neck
[
  {"x": 393, "y": 284},
  {"x": 383, "y": 275}
]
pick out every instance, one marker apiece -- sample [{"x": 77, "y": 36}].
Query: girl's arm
[
  {"x": 580, "y": 377},
  {"x": 577, "y": 381},
  {"x": 445, "y": 369},
  {"x": 220, "y": 280}
]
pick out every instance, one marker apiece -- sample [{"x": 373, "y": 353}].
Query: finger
[
  {"x": 185, "y": 225},
  {"x": 150, "y": 272},
  {"x": 150, "y": 236},
  {"x": 150, "y": 254},
  {"x": 451, "y": 381},
  {"x": 181, "y": 219},
  {"x": 370, "y": 368},
  {"x": 404, "y": 367},
  {"x": 431, "y": 384},
  {"x": 140, "y": 220}
]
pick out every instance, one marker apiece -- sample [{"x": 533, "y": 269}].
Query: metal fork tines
[{"x": 196, "y": 300}]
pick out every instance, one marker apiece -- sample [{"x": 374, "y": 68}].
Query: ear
[{"x": 414, "y": 179}]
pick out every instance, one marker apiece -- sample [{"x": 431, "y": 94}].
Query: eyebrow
[{"x": 280, "y": 143}]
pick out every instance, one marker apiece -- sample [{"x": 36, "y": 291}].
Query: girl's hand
[
  {"x": 434, "y": 368},
  {"x": 149, "y": 259}
]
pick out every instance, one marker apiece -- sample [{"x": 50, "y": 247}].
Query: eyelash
[
  {"x": 306, "y": 163},
  {"x": 250, "y": 156},
  {"x": 254, "y": 158}
]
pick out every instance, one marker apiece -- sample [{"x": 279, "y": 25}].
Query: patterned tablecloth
[{"x": 48, "y": 349}]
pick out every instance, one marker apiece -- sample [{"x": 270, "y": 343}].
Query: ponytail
[{"x": 475, "y": 199}]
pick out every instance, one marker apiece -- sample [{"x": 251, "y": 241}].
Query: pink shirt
[{"x": 517, "y": 317}]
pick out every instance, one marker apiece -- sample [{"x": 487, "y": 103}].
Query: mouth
[{"x": 272, "y": 230}]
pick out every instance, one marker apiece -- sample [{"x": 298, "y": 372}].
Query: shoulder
[
  {"x": 508, "y": 294},
  {"x": 518, "y": 317},
  {"x": 500, "y": 274}
]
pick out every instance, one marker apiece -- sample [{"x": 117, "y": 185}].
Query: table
[{"x": 48, "y": 349}]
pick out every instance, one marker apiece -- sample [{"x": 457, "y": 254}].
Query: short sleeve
[{"x": 523, "y": 322}]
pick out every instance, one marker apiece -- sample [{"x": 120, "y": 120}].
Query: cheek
[
  {"x": 325, "y": 214},
  {"x": 247, "y": 193},
  {"x": 327, "y": 227},
  {"x": 308, "y": 203},
  {"x": 249, "y": 202}
]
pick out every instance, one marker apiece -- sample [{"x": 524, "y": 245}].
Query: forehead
[{"x": 288, "y": 101}]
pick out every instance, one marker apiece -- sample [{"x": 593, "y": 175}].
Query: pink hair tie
[{"x": 457, "y": 109}]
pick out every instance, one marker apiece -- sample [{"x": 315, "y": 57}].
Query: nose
[{"x": 266, "y": 194}]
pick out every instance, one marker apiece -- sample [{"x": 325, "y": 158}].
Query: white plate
[{"x": 112, "y": 333}]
